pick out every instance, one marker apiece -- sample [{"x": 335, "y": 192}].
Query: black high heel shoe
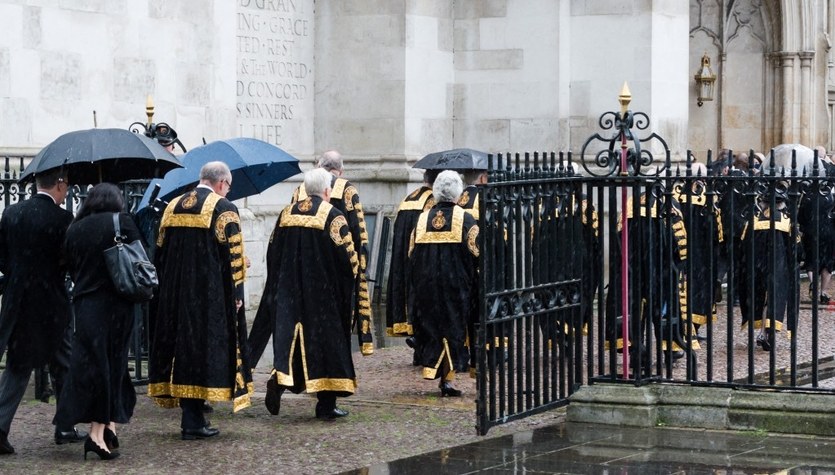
[
  {"x": 110, "y": 439},
  {"x": 448, "y": 390},
  {"x": 91, "y": 446}
]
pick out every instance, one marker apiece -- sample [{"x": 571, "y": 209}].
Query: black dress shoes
[
  {"x": 70, "y": 436},
  {"x": 202, "y": 433},
  {"x": 331, "y": 414},
  {"x": 5, "y": 447},
  {"x": 448, "y": 391},
  {"x": 273, "y": 398}
]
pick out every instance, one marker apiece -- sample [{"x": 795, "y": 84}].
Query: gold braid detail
[
  {"x": 336, "y": 226},
  {"x": 472, "y": 240},
  {"x": 225, "y": 218}
]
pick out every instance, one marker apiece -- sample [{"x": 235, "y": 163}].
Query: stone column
[
  {"x": 787, "y": 64},
  {"x": 806, "y": 88}
]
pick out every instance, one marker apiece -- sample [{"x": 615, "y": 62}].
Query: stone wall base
[{"x": 707, "y": 408}]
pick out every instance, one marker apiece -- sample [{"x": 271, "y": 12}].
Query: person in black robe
[
  {"x": 771, "y": 257},
  {"x": 398, "y": 322},
  {"x": 199, "y": 348},
  {"x": 702, "y": 219},
  {"x": 345, "y": 198},
  {"x": 469, "y": 197},
  {"x": 35, "y": 310},
  {"x": 98, "y": 389},
  {"x": 311, "y": 271},
  {"x": 654, "y": 237},
  {"x": 443, "y": 283}
]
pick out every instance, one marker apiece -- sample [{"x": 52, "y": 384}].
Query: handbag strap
[{"x": 117, "y": 230}]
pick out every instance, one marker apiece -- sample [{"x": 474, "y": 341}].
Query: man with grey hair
[
  {"x": 311, "y": 318},
  {"x": 443, "y": 284},
  {"x": 198, "y": 349},
  {"x": 345, "y": 197}
]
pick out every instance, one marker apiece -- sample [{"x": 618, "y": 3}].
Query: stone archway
[{"x": 770, "y": 57}]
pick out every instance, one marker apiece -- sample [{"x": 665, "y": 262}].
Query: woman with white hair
[{"x": 443, "y": 283}]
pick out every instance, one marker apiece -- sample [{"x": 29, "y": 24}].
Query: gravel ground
[{"x": 394, "y": 414}]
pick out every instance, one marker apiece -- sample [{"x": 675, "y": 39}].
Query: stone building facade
[{"x": 387, "y": 81}]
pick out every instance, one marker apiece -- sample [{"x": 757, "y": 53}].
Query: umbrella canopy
[
  {"x": 256, "y": 165},
  {"x": 456, "y": 159},
  {"x": 804, "y": 159},
  {"x": 103, "y": 155}
]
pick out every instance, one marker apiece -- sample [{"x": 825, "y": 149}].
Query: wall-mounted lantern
[{"x": 705, "y": 79}]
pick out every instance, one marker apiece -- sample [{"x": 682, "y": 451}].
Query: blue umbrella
[{"x": 256, "y": 165}]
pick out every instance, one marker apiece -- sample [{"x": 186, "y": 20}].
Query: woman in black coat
[{"x": 98, "y": 389}]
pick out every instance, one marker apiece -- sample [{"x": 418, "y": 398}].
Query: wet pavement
[{"x": 569, "y": 448}]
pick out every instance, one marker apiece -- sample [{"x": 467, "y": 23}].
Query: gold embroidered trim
[
  {"x": 336, "y": 228},
  {"x": 338, "y": 188},
  {"x": 189, "y": 200},
  {"x": 439, "y": 220},
  {"x": 348, "y": 197},
  {"x": 415, "y": 203},
  {"x": 186, "y": 220},
  {"x": 331, "y": 384},
  {"x": 317, "y": 221},
  {"x": 402, "y": 329},
  {"x": 225, "y": 218},
  {"x": 465, "y": 198},
  {"x": 305, "y": 205},
  {"x": 235, "y": 239},
  {"x": 472, "y": 240},
  {"x": 454, "y": 235},
  {"x": 432, "y": 372},
  {"x": 367, "y": 349},
  {"x": 192, "y": 392}
]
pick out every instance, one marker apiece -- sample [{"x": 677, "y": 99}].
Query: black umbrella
[
  {"x": 456, "y": 159},
  {"x": 99, "y": 155}
]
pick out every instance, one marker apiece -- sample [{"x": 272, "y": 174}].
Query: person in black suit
[
  {"x": 98, "y": 388},
  {"x": 35, "y": 312}
]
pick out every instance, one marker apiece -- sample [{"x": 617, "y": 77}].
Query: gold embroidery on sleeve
[
  {"x": 336, "y": 227},
  {"x": 472, "y": 240},
  {"x": 225, "y": 218}
]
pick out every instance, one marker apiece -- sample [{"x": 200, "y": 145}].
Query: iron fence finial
[
  {"x": 625, "y": 97},
  {"x": 149, "y": 109}
]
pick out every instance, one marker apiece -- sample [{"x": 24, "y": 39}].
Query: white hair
[
  {"x": 316, "y": 181},
  {"x": 331, "y": 161},
  {"x": 448, "y": 186}
]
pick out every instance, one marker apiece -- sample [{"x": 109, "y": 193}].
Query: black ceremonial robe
[
  {"x": 443, "y": 286},
  {"x": 398, "y": 323},
  {"x": 774, "y": 269},
  {"x": 469, "y": 201},
  {"x": 703, "y": 222},
  {"x": 653, "y": 277},
  {"x": 199, "y": 341},
  {"x": 310, "y": 285},
  {"x": 345, "y": 198}
]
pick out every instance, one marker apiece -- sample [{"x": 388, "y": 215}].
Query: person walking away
[
  {"x": 311, "y": 315},
  {"x": 345, "y": 198},
  {"x": 199, "y": 347},
  {"x": 35, "y": 312},
  {"x": 443, "y": 283},
  {"x": 398, "y": 323},
  {"x": 98, "y": 388}
]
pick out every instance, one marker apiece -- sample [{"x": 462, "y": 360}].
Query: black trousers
[
  {"x": 15, "y": 379},
  {"x": 193, "y": 417}
]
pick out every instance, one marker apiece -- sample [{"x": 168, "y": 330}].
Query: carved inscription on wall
[{"x": 275, "y": 71}]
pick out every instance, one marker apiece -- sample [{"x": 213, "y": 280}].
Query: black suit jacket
[{"x": 35, "y": 308}]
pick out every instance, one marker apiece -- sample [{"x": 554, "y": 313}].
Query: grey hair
[
  {"x": 330, "y": 161},
  {"x": 215, "y": 172},
  {"x": 316, "y": 181},
  {"x": 448, "y": 186}
]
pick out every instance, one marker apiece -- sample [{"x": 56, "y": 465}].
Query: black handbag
[{"x": 133, "y": 275}]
